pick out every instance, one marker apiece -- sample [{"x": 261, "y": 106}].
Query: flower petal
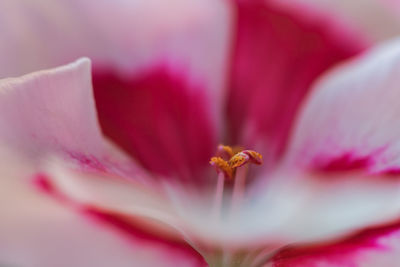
[
  {"x": 324, "y": 209},
  {"x": 53, "y": 108},
  {"x": 278, "y": 54},
  {"x": 37, "y": 231},
  {"x": 374, "y": 18},
  {"x": 158, "y": 118},
  {"x": 108, "y": 193},
  {"x": 129, "y": 41},
  {"x": 350, "y": 120},
  {"x": 124, "y": 34},
  {"x": 53, "y": 112},
  {"x": 374, "y": 247}
]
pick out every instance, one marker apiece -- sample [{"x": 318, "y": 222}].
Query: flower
[{"x": 110, "y": 164}]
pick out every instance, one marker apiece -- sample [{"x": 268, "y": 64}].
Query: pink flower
[{"x": 108, "y": 163}]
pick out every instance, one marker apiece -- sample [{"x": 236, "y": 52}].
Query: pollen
[
  {"x": 225, "y": 150},
  {"x": 228, "y": 159},
  {"x": 222, "y": 165},
  {"x": 238, "y": 160}
]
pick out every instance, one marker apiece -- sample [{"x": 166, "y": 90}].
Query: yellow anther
[
  {"x": 228, "y": 159},
  {"x": 222, "y": 165},
  {"x": 254, "y": 156},
  {"x": 227, "y": 152},
  {"x": 226, "y": 149},
  {"x": 238, "y": 160},
  {"x": 245, "y": 156}
]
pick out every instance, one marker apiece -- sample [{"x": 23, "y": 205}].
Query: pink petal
[
  {"x": 36, "y": 231},
  {"x": 53, "y": 112},
  {"x": 350, "y": 120},
  {"x": 278, "y": 54},
  {"x": 374, "y": 247},
  {"x": 51, "y": 109},
  {"x": 124, "y": 34}
]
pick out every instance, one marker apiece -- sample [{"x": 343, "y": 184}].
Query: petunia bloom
[{"x": 203, "y": 133}]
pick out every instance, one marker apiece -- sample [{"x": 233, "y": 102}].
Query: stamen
[
  {"x": 225, "y": 152},
  {"x": 230, "y": 163},
  {"x": 238, "y": 188},
  {"x": 235, "y": 161},
  {"x": 245, "y": 156},
  {"x": 222, "y": 166},
  {"x": 219, "y": 194}
]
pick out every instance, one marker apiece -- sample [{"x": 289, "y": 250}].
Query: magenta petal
[
  {"x": 159, "y": 118},
  {"x": 141, "y": 231},
  {"x": 375, "y": 247},
  {"x": 278, "y": 54},
  {"x": 376, "y": 19}
]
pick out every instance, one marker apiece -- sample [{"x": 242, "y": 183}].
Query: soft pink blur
[{"x": 111, "y": 110}]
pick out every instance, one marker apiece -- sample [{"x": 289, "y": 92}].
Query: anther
[
  {"x": 229, "y": 163},
  {"x": 222, "y": 166},
  {"x": 244, "y": 157},
  {"x": 225, "y": 152},
  {"x": 227, "y": 160}
]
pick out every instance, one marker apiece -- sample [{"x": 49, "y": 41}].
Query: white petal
[
  {"x": 353, "y": 112},
  {"x": 35, "y": 231},
  {"x": 293, "y": 208}
]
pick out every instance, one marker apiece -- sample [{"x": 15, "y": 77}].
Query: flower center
[
  {"x": 231, "y": 163},
  {"x": 228, "y": 159}
]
